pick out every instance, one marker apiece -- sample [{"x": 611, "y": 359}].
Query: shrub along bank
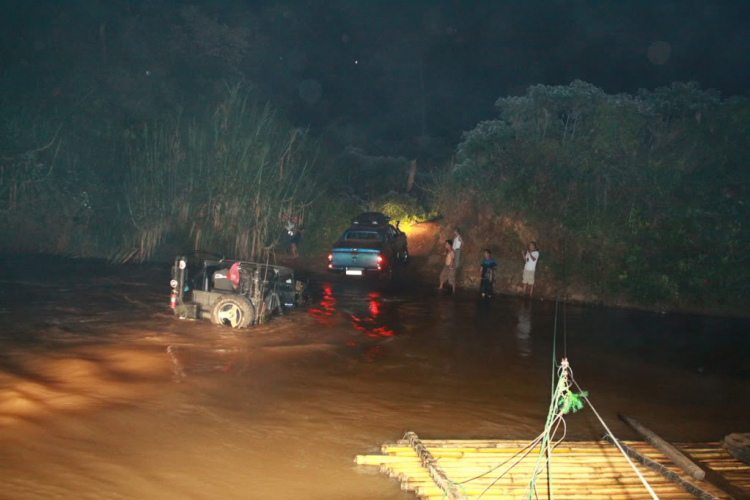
[{"x": 637, "y": 199}]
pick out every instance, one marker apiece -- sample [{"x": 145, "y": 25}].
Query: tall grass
[
  {"x": 43, "y": 207},
  {"x": 222, "y": 183}
]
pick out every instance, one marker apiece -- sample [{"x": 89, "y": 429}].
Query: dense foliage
[
  {"x": 226, "y": 182},
  {"x": 651, "y": 189}
]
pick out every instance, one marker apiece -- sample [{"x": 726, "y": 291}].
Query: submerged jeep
[{"x": 232, "y": 292}]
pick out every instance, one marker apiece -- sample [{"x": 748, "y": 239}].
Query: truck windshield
[{"x": 361, "y": 235}]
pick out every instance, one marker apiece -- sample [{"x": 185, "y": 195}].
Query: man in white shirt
[
  {"x": 288, "y": 233},
  {"x": 457, "y": 242},
  {"x": 530, "y": 256}
]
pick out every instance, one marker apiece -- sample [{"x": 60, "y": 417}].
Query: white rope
[{"x": 615, "y": 441}]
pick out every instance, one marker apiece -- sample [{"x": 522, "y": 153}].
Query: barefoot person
[
  {"x": 449, "y": 269},
  {"x": 487, "y": 274},
  {"x": 530, "y": 256}
]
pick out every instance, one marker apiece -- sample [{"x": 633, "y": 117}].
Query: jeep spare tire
[{"x": 234, "y": 311}]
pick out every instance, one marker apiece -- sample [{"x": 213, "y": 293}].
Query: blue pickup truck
[{"x": 370, "y": 246}]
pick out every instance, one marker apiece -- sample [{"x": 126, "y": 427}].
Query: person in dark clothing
[
  {"x": 295, "y": 241},
  {"x": 487, "y": 274}
]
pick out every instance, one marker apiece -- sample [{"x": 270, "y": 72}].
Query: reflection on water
[
  {"x": 91, "y": 409},
  {"x": 363, "y": 311},
  {"x": 369, "y": 324},
  {"x": 523, "y": 329},
  {"x": 40, "y": 384},
  {"x": 326, "y": 309}
]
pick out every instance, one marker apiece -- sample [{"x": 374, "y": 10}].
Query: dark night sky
[
  {"x": 377, "y": 62},
  {"x": 474, "y": 52}
]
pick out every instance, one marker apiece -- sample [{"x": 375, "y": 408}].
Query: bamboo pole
[
  {"x": 563, "y": 482},
  {"x": 560, "y": 492},
  {"x": 462, "y": 474},
  {"x": 621, "y": 476},
  {"x": 387, "y": 449},
  {"x": 575, "y": 496},
  {"x": 488, "y": 462},
  {"x": 601, "y": 471},
  {"x": 670, "y": 451},
  {"x": 560, "y": 481},
  {"x": 520, "y": 443},
  {"x": 599, "y": 457}
]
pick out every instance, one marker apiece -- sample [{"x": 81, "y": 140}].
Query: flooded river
[{"x": 105, "y": 395}]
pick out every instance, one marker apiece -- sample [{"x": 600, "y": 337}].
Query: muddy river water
[{"x": 105, "y": 395}]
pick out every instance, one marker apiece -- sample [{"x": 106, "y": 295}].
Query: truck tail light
[
  {"x": 379, "y": 259},
  {"x": 330, "y": 257}
]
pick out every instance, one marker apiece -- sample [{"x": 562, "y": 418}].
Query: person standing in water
[
  {"x": 530, "y": 257},
  {"x": 449, "y": 269},
  {"x": 487, "y": 274}
]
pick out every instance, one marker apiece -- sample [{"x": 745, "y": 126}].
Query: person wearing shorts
[
  {"x": 530, "y": 257},
  {"x": 449, "y": 269}
]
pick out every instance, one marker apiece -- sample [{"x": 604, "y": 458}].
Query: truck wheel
[{"x": 234, "y": 311}]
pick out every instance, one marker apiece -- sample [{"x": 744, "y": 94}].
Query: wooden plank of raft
[
  {"x": 670, "y": 451},
  {"x": 738, "y": 445},
  {"x": 716, "y": 476},
  {"x": 668, "y": 474},
  {"x": 436, "y": 472}
]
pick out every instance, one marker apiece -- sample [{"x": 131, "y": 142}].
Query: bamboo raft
[{"x": 586, "y": 470}]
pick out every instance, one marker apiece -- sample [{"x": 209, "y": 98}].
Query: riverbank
[{"x": 504, "y": 237}]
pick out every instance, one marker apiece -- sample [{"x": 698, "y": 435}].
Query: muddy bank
[{"x": 506, "y": 237}]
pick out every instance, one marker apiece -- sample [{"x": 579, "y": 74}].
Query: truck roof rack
[{"x": 371, "y": 219}]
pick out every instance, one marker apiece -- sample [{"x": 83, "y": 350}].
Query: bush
[
  {"x": 656, "y": 176},
  {"x": 327, "y": 220},
  {"x": 401, "y": 208}
]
